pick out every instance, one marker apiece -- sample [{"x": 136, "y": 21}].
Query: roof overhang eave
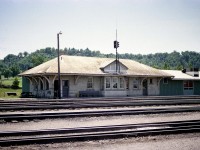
[{"x": 186, "y": 79}]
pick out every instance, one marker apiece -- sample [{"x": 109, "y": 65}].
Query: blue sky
[{"x": 144, "y": 26}]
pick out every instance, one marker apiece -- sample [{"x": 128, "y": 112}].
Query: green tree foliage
[
  {"x": 12, "y": 65},
  {"x": 14, "y": 70},
  {"x": 1, "y": 67},
  {"x": 7, "y": 73},
  {"x": 25, "y": 54}
]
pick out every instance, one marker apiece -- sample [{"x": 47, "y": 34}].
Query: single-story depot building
[
  {"x": 185, "y": 82},
  {"x": 91, "y": 76}
]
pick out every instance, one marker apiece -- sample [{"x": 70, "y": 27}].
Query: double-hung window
[
  {"x": 107, "y": 82},
  {"x": 121, "y": 83},
  {"x": 135, "y": 83},
  {"x": 90, "y": 83},
  {"x": 188, "y": 85},
  {"x": 114, "y": 82}
]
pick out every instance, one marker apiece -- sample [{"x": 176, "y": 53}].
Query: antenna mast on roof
[{"x": 116, "y": 45}]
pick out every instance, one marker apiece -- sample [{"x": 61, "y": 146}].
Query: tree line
[{"x": 12, "y": 64}]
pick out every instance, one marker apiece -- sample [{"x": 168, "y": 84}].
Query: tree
[
  {"x": 179, "y": 67},
  {"x": 10, "y": 58},
  {"x": 14, "y": 70},
  {"x": 37, "y": 60},
  {"x": 20, "y": 55},
  {"x": 166, "y": 66},
  {"x": 25, "y": 54},
  {"x": 7, "y": 73}
]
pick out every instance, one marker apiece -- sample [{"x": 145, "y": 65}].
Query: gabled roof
[
  {"x": 179, "y": 75},
  {"x": 79, "y": 65},
  {"x": 109, "y": 62}
]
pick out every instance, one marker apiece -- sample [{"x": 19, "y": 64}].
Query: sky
[{"x": 143, "y": 26}]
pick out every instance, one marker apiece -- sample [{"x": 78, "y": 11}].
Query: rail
[
  {"x": 31, "y": 116},
  {"x": 38, "y": 105},
  {"x": 97, "y": 132}
]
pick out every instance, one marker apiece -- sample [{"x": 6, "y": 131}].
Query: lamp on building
[{"x": 59, "y": 90}]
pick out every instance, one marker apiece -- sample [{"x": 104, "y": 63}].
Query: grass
[
  {"x": 4, "y": 90},
  {"x": 9, "y": 81}
]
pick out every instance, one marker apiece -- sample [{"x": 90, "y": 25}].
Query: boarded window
[
  {"x": 107, "y": 83},
  {"x": 90, "y": 83}
]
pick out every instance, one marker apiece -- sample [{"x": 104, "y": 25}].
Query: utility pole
[{"x": 59, "y": 92}]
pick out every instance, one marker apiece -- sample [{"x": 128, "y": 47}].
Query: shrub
[{"x": 15, "y": 84}]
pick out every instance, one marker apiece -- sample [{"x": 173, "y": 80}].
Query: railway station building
[{"x": 93, "y": 77}]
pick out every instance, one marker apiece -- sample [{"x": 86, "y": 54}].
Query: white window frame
[
  {"x": 109, "y": 83},
  {"x": 135, "y": 83},
  {"x": 121, "y": 83},
  {"x": 114, "y": 81},
  {"x": 90, "y": 83}
]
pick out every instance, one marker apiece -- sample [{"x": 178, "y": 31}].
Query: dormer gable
[{"x": 110, "y": 67}]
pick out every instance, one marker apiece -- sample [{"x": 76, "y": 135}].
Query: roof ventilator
[{"x": 194, "y": 72}]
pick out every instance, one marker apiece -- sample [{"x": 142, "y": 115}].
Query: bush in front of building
[{"x": 15, "y": 84}]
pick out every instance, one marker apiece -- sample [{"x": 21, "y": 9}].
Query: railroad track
[
  {"x": 41, "y": 105},
  {"x": 28, "y": 100},
  {"x": 9, "y": 138},
  {"x": 43, "y": 115}
]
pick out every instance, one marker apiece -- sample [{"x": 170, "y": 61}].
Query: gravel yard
[
  {"x": 94, "y": 109},
  {"x": 96, "y": 121},
  {"x": 169, "y": 142}
]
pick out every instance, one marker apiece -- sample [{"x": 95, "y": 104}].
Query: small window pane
[
  {"x": 151, "y": 81},
  {"x": 121, "y": 80},
  {"x": 107, "y": 83},
  {"x": 135, "y": 83},
  {"x": 165, "y": 81},
  {"x": 115, "y": 81},
  {"x": 188, "y": 85},
  {"x": 90, "y": 83}
]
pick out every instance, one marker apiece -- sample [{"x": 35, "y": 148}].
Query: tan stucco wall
[
  {"x": 134, "y": 92},
  {"x": 153, "y": 89},
  {"x": 79, "y": 83}
]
